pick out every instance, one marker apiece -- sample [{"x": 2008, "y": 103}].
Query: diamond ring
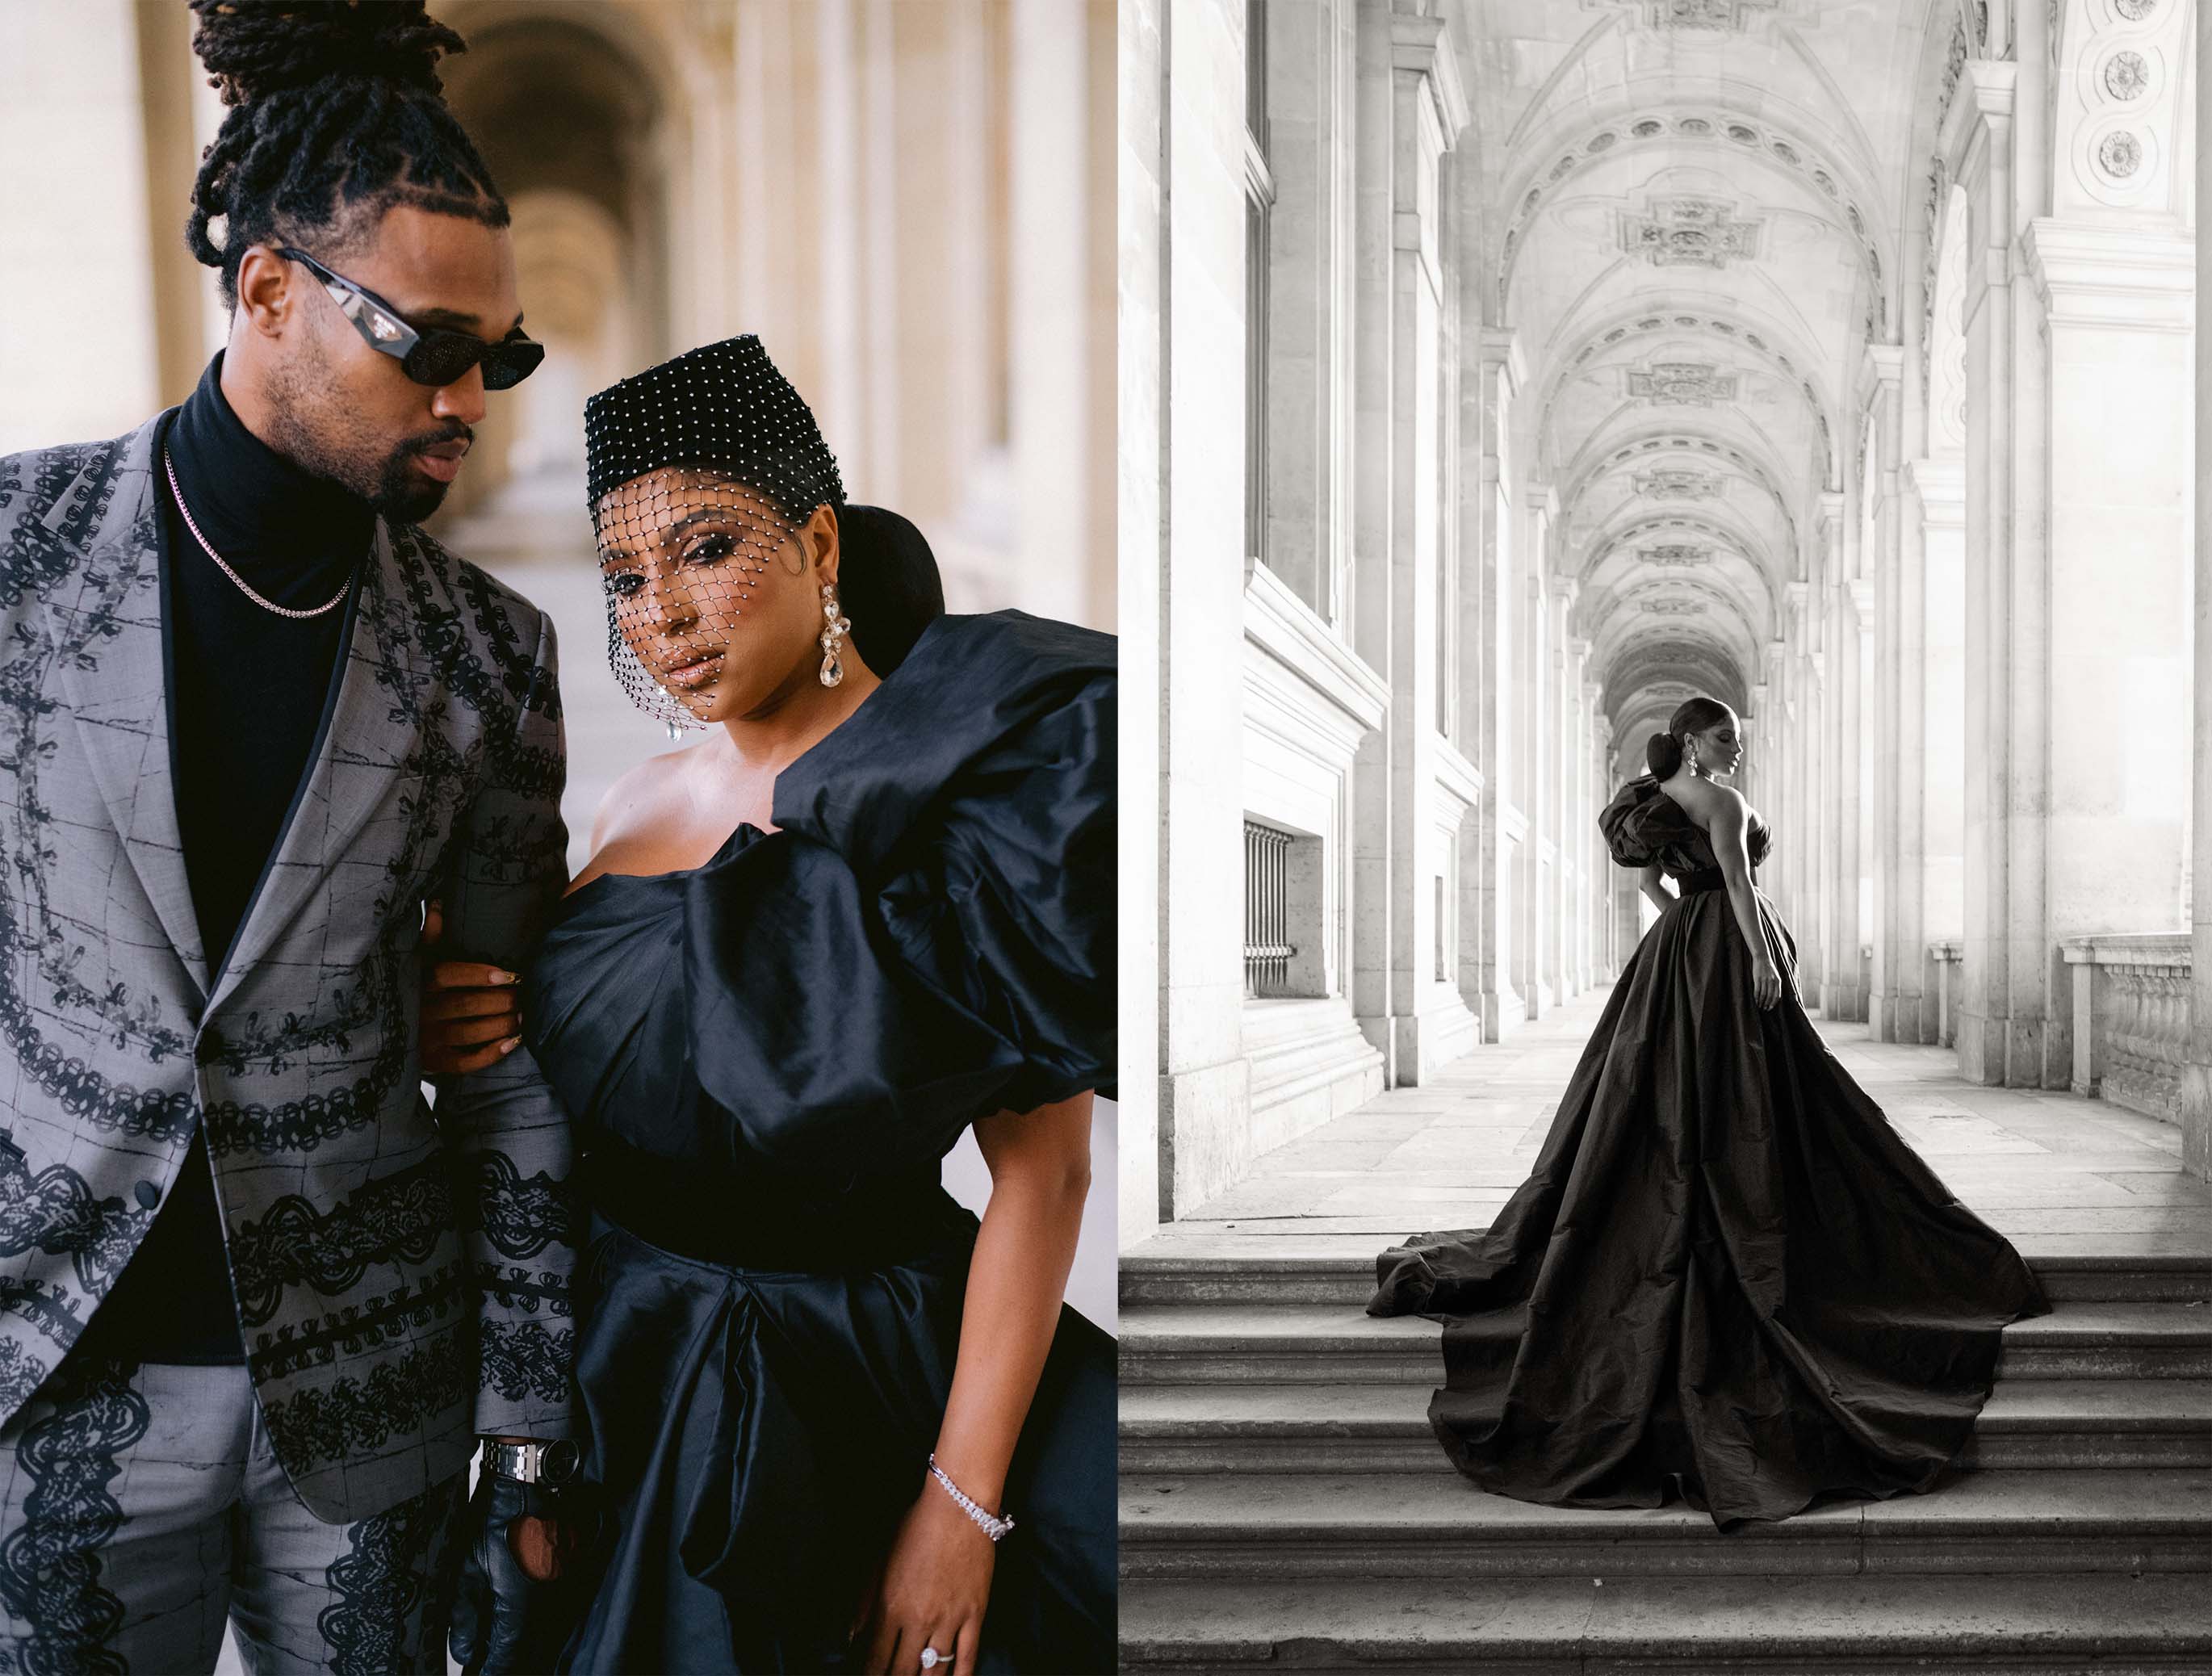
[{"x": 931, "y": 1658}]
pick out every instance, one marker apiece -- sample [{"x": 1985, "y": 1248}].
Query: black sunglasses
[{"x": 429, "y": 354}]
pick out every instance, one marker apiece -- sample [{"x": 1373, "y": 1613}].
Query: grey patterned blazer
[{"x": 401, "y": 1277}]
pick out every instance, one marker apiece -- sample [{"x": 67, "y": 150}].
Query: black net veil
[{"x": 700, "y": 472}]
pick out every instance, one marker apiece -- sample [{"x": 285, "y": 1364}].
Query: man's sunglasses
[{"x": 429, "y": 355}]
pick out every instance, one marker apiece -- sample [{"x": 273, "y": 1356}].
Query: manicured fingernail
[
  {"x": 509, "y": 1045},
  {"x": 498, "y": 976}
]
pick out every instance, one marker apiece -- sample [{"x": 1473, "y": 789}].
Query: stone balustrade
[
  {"x": 1942, "y": 979},
  {"x": 2132, "y": 1018}
]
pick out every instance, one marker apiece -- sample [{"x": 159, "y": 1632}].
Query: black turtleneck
[{"x": 248, "y": 694}]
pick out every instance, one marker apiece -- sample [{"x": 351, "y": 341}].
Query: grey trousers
[{"x": 141, "y": 1509}]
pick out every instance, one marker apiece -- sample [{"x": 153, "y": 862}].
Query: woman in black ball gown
[
  {"x": 874, "y": 909},
  {"x": 1727, "y": 1280}
]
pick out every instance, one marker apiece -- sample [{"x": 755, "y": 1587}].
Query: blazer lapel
[
  {"x": 363, "y": 741},
  {"x": 108, "y": 643}
]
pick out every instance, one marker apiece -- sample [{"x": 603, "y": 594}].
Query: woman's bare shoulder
[
  {"x": 1707, "y": 801},
  {"x": 639, "y": 797}
]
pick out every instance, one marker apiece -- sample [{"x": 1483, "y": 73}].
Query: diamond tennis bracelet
[{"x": 989, "y": 1523}]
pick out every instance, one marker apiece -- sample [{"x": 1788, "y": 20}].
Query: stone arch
[{"x": 571, "y": 105}]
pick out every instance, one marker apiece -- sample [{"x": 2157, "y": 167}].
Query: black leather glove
[{"x": 505, "y": 1622}]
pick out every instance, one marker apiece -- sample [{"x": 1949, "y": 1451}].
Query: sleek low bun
[
  {"x": 1663, "y": 751},
  {"x": 888, "y": 583}
]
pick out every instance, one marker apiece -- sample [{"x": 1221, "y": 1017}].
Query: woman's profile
[
  {"x": 871, "y": 909},
  {"x": 1727, "y": 1279}
]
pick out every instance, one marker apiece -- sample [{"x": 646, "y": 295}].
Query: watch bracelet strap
[{"x": 524, "y": 1463}]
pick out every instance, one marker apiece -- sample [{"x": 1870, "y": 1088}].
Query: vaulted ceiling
[{"x": 1693, "y": 223}]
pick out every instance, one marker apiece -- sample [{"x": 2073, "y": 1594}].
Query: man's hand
[{"x": 519, "y": 1597}]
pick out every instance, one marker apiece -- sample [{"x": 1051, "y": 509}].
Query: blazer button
[
  {"x": 209, "y": 1049},
  {"x": 147, "y": 1194}
]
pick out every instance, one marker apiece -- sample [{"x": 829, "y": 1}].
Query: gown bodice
[
  {"x": 811, "y": 1019},
  {"x": 1643, "y": 824}
]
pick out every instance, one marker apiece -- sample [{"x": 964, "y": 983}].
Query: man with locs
[{"x": 258, "y": 1302}]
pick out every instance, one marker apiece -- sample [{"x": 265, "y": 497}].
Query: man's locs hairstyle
[{"x": 335, "y": 117}]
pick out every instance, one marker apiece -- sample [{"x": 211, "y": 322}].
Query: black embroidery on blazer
[
  {"x": 46, "y": 1305},
  {"x": 400, "y": 1217},
  {"x": 388, "y": 1584},
  {"x": 20, "y": 1374},
  {"x": 355, "y": 1416},
  {"x": 55, "y": 1211},
  {"x": 527, "y": 1359},
  {"x": 520, "y": 1217},
  {"x": 321, "y": 1340},
  {"x": 50, "y": 1562}
]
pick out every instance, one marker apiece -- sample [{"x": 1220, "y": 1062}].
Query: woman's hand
[
  {"x": 471, "y": 1016},
  {"x": 1765, "y": 980},
  {"x": 932, "y": 1592}
]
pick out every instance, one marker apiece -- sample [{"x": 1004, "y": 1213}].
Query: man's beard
[{"x": 392, "y": 486}]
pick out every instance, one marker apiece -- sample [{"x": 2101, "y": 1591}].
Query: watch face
[{"x": 559, "y": 1462}]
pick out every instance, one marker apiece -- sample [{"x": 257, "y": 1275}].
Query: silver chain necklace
[{"x": 169, "y": 466}]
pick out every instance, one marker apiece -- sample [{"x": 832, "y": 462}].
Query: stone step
[
  {"x": 1701, "y": 1626},
  {"x": 1340, "y": 1270},
  {"x": 1325, "y": 1345},
  {"x": 2069, "y": 1425},
  {"x": 1439, "y": 1527}
]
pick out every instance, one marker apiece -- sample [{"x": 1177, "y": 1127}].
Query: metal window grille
[{"x": 1267, "y": 948}]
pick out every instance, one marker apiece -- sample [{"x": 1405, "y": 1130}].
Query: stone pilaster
[
  {"x": 2120, "y": 306},
  {"x": 2196, "y": 1075},
  {"x": 1487, "y": 617}
]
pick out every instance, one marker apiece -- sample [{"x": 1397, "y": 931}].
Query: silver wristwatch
[{"x": 552, "y": 1462}]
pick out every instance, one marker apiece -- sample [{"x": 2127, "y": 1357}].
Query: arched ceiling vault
[{"x": 1695, "y": 228}]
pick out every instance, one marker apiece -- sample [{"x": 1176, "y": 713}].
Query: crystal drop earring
[{"x": 834, "y": 630}]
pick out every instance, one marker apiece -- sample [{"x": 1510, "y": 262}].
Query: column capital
[
  {"x": 1883, "y": 364},
  {"x": 1423, "y": 46},
  {"x": 1983, "y": 101},
  {"x": 1940, "y": 485},
  {"x": 1580, "y": 646},
  {"x": 1861, "y": 594},
  {"x": 2094, "y": 276},
  {"x": 1501, "y": 348},
  {"x": 1563, "y": 589}
]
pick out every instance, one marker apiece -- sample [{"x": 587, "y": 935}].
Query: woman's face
[
  {"x": 1720, "y": 748},
  {"x": 717, "y": 594}
]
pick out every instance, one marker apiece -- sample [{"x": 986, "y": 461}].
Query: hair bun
[
  {"x": 1663, "y": 752},
  {"x": 254, "y": 48},
  {"x": 889, "y": 583}
]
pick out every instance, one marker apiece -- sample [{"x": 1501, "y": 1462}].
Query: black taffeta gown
[
  {"x": 767, "y": 1058},
  {"x": 1727, "y": 1280}
]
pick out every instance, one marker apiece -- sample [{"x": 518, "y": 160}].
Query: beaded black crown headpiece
[
  {"x": 736, "y": 464},
  {"x": 723, "y": 406}
]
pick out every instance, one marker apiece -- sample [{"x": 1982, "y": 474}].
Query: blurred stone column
[
  {"x": 1051, "y": 302},
  {"x": 76, "y": 70}
]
